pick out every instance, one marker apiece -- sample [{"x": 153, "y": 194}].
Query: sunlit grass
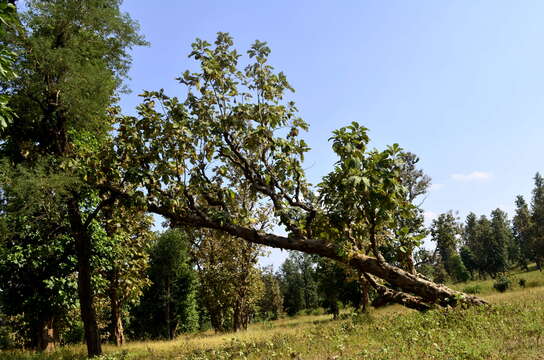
[{"x": 513, "y": 328}]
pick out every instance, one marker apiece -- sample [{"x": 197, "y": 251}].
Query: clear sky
[{"x": 459, "y": 83}]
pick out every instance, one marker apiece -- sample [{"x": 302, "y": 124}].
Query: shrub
[
  {"x": 457, "y": 269},
  {"x": 502, "y": 283},
  {"x": 522, "y": 282},
  {"x": 473, "y": 289}
]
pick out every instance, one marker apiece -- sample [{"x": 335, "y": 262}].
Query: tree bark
[
  {"x": 425, "y": 290},
  {"x": 45, "y": 335},
  {"x": 410, "y": 264},
  {"x": 86, "y": 297},
  {"x": 237, "y": 317},
  {"x": 117, "y": 333},
  {"x": 387, "y": 296},
  {"x": 84, "y": 281},
  {"x": 365, "y": 305},
  {"x": 171, "y": 324}
]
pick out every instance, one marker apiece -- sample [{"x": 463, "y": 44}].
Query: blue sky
[{"x": 459, "y": 83}]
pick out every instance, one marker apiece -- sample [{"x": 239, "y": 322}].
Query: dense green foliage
[
  {"x": 231, "y": 283},
  {"x": 7, "y": 57},
  {"x": 169, "y": 306},
  {"x": 299, "y": 283},
  {"x": 71, "y": 58}
]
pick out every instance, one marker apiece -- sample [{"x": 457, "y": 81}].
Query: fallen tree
[{"x": 235, "y": 133}]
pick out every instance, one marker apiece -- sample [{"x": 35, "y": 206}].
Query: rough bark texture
[
  {"x": 425, "y": 291},
  {"x": 387, "y": 296},
  {"x": 45, "y": 337},
  {"x": 86, "y": 296},
  {"x": 364, "y": 296},
  {"x": 117, "y": 330}
]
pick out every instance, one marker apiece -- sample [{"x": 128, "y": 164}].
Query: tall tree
[
  {"x": 37, "y": 272},
  {"x": 271, "y": 303},
  {"x": 484, "y": 236},
  {"x": 471, "y": 248},
  {"x": 230, "y": 281},
  {"x": 298, "y": 283},
  {"x": 521, "y": 227},
  {"x": 169, "y": 306},
  {"x": 537, "y": 217},
  {"x": 445, "y": 231},
  {"x": 229, "y": 134},
  {"x": 72, "y": 57},
  {"x": 498, "y": 243}
]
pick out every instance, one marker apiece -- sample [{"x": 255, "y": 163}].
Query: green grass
[
  {"x": 534, "y": 279},
  {"x": 513, "y": 328}
]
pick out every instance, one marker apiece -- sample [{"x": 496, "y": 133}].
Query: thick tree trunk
[
  {"x": 424, "y": 290},
  {"x": 387, "y": 296},
  {"x": 85, "y": 291},
  {"x": 88, "y": 314}
]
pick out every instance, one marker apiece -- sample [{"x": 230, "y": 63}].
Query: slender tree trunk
[
  {"x": 45, "y": 335},
  {"x": 85, "y": 291},
  {"x": 116, "y": 321},
  {"x": 168, "y": 311},
  {"x": 118, "y": 335},
  {"x": 365, "y": 302},
  {"x": 334, "y": 308},
  {"x": 237, "y": 317},
  {"x": 410, "y": 263}
]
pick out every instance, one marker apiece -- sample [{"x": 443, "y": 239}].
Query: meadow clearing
[{"x": 512, "y": 328}]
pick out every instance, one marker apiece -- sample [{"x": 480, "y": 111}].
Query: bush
[
  {"x": 502, "y": 283},
  {"x": 457, "y": 269},
  {"x": 473, "y": 289},
  {"x": 522, "y": 282}
]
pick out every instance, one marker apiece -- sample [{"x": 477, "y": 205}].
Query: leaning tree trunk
[
  {"x": 417, "y": 292},
  {"x": 414, "y": 288},
  {"x": 85, "y": 291}
]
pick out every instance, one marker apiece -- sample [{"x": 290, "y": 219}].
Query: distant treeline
[{"x": 486, "y": 246}]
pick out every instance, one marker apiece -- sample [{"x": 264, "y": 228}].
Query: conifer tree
[
  {"x": 537, "y": 219},
  {"x": 521, "y": 227},
  {"x": 497, "y": 245}
]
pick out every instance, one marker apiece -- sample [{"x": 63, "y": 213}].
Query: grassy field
[{"x": 513, "y": 328}]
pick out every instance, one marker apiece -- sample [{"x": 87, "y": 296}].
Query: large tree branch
[
  {"x": 387, "y": 296},
  {"x": 428, "y": 291}
]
